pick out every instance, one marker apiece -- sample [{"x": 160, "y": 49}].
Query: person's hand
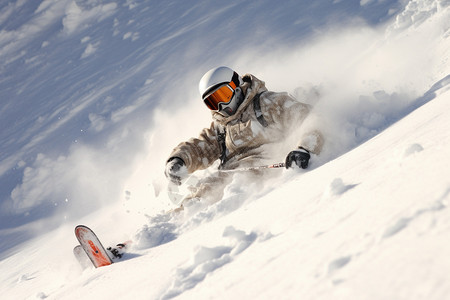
[
  {"x": 176, "y": 170},
  {"x": 300, "y": 157}
]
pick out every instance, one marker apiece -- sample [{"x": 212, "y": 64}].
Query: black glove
[
  {"x": 176, "y": 170},
  {"x": 300, "y": 157}
]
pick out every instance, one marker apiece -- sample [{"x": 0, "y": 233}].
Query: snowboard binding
[{"x": 117, "y": 251}]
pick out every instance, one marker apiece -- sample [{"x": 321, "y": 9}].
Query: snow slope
[{"x": 91, "y": 114}]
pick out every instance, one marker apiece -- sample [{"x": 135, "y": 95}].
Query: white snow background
[{"x": 95, "y": 94}]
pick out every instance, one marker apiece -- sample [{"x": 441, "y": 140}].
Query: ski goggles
[{"x": 223, "y": 94}]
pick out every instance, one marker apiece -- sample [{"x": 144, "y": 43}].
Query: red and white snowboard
[{"x": 92, "y": 247}]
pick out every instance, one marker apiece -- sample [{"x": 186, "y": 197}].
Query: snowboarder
[{"x": 249, "y": 122}]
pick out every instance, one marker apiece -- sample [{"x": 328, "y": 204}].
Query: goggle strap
[{"x": 235, "y": 79}]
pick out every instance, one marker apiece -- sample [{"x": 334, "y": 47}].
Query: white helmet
[{"x": 220, "y": 90}]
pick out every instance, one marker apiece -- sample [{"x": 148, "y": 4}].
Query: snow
[{"x": 95, "y": 94}]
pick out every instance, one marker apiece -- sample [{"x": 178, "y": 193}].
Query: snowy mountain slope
[
  {"x": 368, "y": 223},
  {"x": 377, "y": 229},
  {"x": 80, "y": 80}
]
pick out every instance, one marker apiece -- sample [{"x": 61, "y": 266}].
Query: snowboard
[{"x": 92, "y": 246}]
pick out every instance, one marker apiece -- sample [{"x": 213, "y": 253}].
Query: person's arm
[{"x": 198, "y": 153}]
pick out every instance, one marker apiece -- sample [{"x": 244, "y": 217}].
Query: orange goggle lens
[{"x": 222, "y": 95}]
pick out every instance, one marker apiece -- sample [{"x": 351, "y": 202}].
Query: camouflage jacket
[{"x": 250, "y": 142}]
